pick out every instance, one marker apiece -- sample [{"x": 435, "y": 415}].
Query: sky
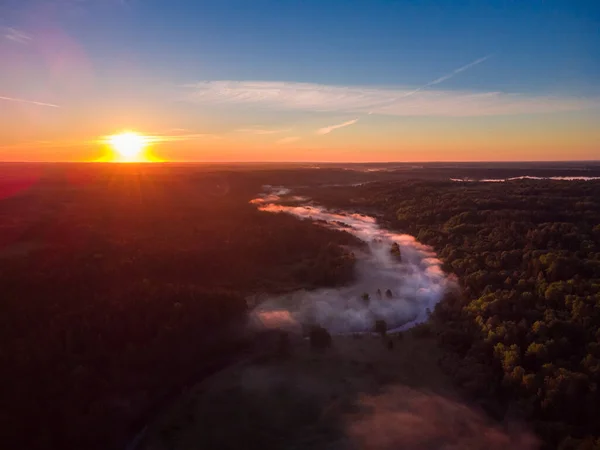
[{"x": 301, "y": 80}]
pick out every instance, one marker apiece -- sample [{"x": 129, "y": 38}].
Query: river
[{"x": 401, "y": 291}]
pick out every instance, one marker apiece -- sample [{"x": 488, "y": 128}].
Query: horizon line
[{"x": 310, "y": 162}]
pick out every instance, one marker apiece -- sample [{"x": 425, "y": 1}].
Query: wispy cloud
[
  {"x": 15, "y": 35},
  {"x": 261, "y": 131},
  {"x": 30, "y": 102},
  {"x": 177, "y": 130},
  {"x": 288, "y": 140},
  {"x": 179, "y": 137},
  {"x": 152, "y": 138},
  {"x": 171, "y": 135},
  {"x": 329, "y": 129},
  {"x": 388, "y": 101},
  {"x": 44, "y": 144}
]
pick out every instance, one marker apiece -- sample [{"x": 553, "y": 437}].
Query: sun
[{"x": 129, "y": 146}]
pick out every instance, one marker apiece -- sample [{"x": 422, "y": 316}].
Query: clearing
[{"x": 362, "y": 392}]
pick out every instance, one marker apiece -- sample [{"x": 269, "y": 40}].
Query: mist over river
[{"x": 401, "y": 290}]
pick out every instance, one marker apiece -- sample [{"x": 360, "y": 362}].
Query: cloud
[
  {"x": 288, "y": 140},
  {"x": 386, "y": 101},
  {"x": 30, "y": 102},
  {"x": 45, "y": 144},
  {"x": 329, "y": 129},
  {"x": 173, "y": 135},
  {"x": 15, "y": 35},
  {"x": 261, "y": 131},
  {"x": 149, "y": 137},
  {"x": 168, "y": 137},
  {"x": 177, "y": 130}
]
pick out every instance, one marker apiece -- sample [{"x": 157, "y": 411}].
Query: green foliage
[{"x": 526, "y": 328}]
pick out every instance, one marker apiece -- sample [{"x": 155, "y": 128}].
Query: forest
[
  {"x": 121, "y": 285},
  {"x": 522, "y": 332}
]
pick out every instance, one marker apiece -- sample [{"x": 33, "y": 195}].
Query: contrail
[
  {"x": 437, "y": 80},
  {"x": 447, "y": 76},
  {"x": 20, "y": 100}
]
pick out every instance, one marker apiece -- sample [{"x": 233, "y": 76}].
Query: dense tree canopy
[
  {"x": 526, "y": 325},
  {"x": 120, "y": 285}
]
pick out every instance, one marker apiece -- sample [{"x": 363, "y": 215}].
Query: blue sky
[
  {"x": 541, "y": 56},
  {"x": 536, "y": 44}
]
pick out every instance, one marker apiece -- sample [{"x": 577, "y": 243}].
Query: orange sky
[{"x": 559, "y": 136}]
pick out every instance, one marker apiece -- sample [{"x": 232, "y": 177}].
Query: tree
[
  {"x": 319, "y": 338},
  {"x": 381, "y": 327},
  {"x": 395, "y": 251}
]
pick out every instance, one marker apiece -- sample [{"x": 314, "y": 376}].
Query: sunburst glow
[{"x": 129, "y": 146}]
